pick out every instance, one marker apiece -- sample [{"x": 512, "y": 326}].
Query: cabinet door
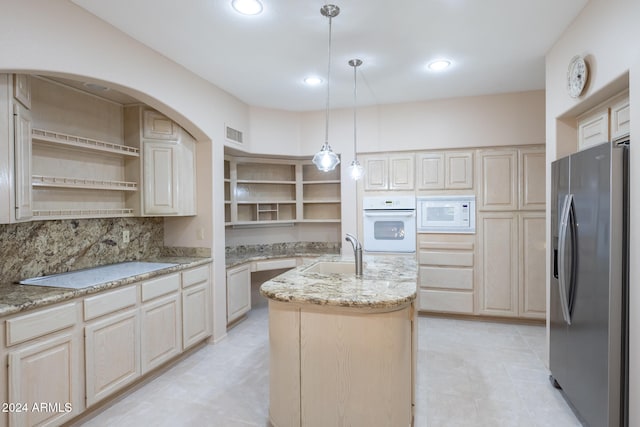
[
  {"x": 22, "y": 89},
  {"x": 238, "y": 292},
  {"x": 620, "y": 119},
  {"x": 196, "y": 315},
  {"x": 498, "y": 180},
  {"x": 532, "y": 179},
  {"x": 593, "y": 129},
  {"x": 112, "y": 355},
  {"x": 532, "y": 292},
  {"x": 160, "y": 331},
  {"x": 401, "y": 176},
  {"x": 160, "y": 178},
  {"x": 430, "y": 171},
  {"x": 22, "y": 144},
  {"x": 459, "y": 170},
  {"x": 46, "y": 372},
  {"x": 376, "y": 176},
  {"x": 498, "y": 264},
  {"x": 158, "y": 126}
]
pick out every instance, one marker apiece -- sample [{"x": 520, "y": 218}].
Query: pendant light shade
[
  {"x": 325, "y": 159},
  {"x": 356, "y": 171}
]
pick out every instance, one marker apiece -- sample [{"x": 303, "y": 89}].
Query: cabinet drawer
[
  {"x": 160, "y": 286},
  {"x": 42, "y": 322},
  {"x": 109, "y": 302},
  {"x": 195, "y": 276},
  {"x": 275, "y": 264},
  {"x": 459, "y": 259},
  {"x": 448, "y": 278},
  {"x": 446, "y": 301}
]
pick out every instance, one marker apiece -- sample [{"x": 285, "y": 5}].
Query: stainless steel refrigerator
[{"x": 589, "y": 283}]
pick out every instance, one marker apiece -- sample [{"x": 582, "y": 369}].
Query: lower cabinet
[
  {"x": 511, "y": 269},
  {"x": 160, "y": 331},
  {"x": 112, "y": 354},
  {"x": 238, "y": 291},
  {"x": 446, "y": 270},
  {"x": 44, "y": 361},
  {"x": 196, "y": 306}
]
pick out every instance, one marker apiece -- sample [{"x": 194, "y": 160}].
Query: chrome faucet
[{"x": 357, "y": 251}]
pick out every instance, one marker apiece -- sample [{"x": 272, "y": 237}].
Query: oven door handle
[{"x": 388, "y": 214}]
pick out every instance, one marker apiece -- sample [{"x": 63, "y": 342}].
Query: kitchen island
[{"x": 343, "y": 349}]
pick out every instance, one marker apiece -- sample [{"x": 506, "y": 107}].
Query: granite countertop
[
  {"x": 15, "y": 298},
  {"x": 236, "y": 255},
  {"x": 388, "y": 282}
]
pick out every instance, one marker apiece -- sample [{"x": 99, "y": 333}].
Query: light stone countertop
[
  {"x": 389, "y": 282},
  {"x": 15, "y": 298}
]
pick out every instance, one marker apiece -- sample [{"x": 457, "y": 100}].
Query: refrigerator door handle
[{"x": 562, "y": 249}]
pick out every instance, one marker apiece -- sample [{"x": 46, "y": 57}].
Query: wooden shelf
[
  {"x": 95, "y": 184},
  {"x": 78, "y": 142},
  {"x": 331, "y": 181},
  {"x": 255, "y": 181},
  {"x": 322, "y": 201}
]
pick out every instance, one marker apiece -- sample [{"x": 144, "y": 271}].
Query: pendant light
[
  {"x": 356, "y": 171},
  {"x": 325, "y": 159}
]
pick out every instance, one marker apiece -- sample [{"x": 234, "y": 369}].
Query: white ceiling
[{"x": 496, "y": 46}]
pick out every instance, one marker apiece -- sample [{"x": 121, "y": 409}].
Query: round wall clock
[{"x": 577, "y": 76}]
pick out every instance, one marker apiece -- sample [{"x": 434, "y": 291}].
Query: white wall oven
[
  {"x": 389, "y": 224},
  {"x": 447, "y": 214}
]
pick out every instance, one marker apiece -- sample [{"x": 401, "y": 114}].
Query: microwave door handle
[{"x": 388, "y": 214}]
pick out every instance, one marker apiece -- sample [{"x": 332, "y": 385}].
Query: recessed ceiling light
[
  {"x": 439, "y": 65},
  {"x": 247, "y": 7},
  {"x": 313, "y": 81}
]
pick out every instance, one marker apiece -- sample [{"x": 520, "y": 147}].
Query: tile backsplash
[{"x": 40, "y": 248}]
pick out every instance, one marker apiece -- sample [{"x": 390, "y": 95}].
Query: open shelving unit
[{"x": 271, "y": 191}]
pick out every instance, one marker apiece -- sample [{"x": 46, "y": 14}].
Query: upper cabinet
[
  {"x": 609, "y": 121},
  {"x": 167, "y": 170},
  {"x": 72, "y": 154},
  {"x": 449, "y": 170},
  {"x": 389, "y": 172},
  {"x": 531, "y": 178},
  {"x": 16, "y": 198}
]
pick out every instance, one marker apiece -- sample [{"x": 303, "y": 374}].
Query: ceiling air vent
[{"x": 234, "y": 135}]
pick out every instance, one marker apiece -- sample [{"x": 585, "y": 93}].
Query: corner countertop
[
  {"x": 389, "y": 282},
  {"x": 15, "y": 298}
]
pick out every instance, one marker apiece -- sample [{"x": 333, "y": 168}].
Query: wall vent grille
[{"x": 234, "y": 135}]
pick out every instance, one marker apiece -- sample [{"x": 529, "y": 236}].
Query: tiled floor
[{"x": 469, "y": 374}]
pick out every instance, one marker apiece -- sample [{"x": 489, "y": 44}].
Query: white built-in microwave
[{"x": 447, "y": 214}]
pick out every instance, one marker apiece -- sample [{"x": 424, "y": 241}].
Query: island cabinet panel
[
  {"x": 284, "y": 364},
  {"x": 344, "y": 357},
  {"x": 112, "y": 354}
]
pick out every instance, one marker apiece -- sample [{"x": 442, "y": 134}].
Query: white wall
[{"x": 607, "y": 33}]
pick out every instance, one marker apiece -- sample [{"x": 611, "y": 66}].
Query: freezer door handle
[{"x": 562, "y": 249}]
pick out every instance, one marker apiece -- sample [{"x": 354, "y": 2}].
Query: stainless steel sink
[{"x": 329, "y": 267}]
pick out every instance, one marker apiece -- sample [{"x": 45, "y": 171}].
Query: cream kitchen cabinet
[
  {"x": 497, "y": 273},
  {"x": 531, "y": 265},
  {"x": 446, "y": 272},
  {"x": 45, "y": 361},
  {"x": 389, "y": 172},
  {"x": 15, "y": 149},
  {"x": 167, "y": 169},
  {"x": 112, "y": 336},
  {"x": 511, "y": 266},
  {"x": 498, "y": 179},
  {"x": 620, "y": 118},
  {"x": 593, "y": 127},
  {"x": 238, "y": 291},
  {"x": 160, "y": 321},
  {"x": 531, "y": 180},
  {"x": 196, "y": 306},
  {"x": 450, "y": 170}
]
